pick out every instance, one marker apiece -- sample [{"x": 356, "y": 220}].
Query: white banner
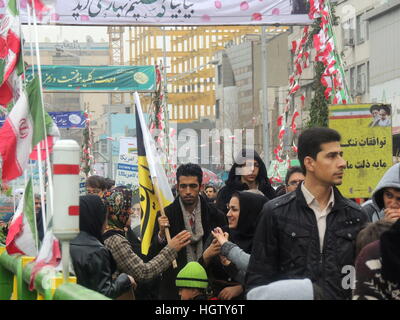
[
  {"x": 174, "y": 12},
  {"x": 127, "y": 167}
]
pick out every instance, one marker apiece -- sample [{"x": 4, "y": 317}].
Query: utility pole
[{"x": 264, "y": 81}]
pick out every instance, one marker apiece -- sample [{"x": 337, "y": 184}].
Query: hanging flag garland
[{"x": 333, "y": 78}]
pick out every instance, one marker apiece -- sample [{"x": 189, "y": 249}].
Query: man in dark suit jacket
[{"x": 190, "y": 211}]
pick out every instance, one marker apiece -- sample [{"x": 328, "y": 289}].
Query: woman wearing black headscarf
[
  {"x": 244, "y": 209},
  {"x": 248, "y": 172},
  {"x": 93, "y": 263}
]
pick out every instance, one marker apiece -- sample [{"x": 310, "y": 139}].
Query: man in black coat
[
  {"x": 190, "y": 211},
  {"x": 310, "y": 233}
]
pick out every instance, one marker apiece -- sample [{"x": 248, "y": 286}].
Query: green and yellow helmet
[{"x": 192, "y": 275}]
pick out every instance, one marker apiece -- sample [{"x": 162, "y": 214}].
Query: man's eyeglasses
[{"x": 295, "y": 182}]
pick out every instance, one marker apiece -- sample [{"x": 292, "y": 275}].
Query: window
[
  {"x": 361, "y": 85},
  {"x": 361, "y": 29},
  {"x": 352, "y": 80},
  {"x": 217, "y": 109},
  {"x": 348, "y": 33}
]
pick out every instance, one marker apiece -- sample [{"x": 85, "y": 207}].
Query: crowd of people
[{"x": 247, "y": 240}]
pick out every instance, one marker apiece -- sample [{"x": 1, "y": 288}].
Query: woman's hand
[
  {"x": 221, "y": 236},
  {"x": 225, "y": 261},
  {"x": 182, "y": 239}
]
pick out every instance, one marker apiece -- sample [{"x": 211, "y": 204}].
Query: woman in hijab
[
  {"x": 244, "y": 209},
  {"x": 93, "y": 263},
  {"x": 118, "y": 203},
  {"x": 248, "y": 172}
]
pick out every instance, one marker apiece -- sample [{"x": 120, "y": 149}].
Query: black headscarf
[
  {"x": 92, "y": 215},
  {"x": 234, "y": 181},
  {"x": 251, "y": 205},
  {"x": 390, "y": 251}
]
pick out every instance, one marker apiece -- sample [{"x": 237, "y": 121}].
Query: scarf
[
  {"x": 251, "y": 205},
  {"x": 195, "y": 249},
  {"x": 118, "y": 203},
  {"x": 92, "y": 215}
]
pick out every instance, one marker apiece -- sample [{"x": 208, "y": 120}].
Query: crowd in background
[{"x": 248, "y": 240}]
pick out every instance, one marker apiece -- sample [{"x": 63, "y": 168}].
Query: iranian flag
[
  {"x": 23, "y": 129},
  {"x": 22, "y": 235},
  {"x": 11, "y": 64},
  {"x": 49, "y": 255}
]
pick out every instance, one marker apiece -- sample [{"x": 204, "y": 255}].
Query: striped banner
[{"x": 353, "y": 112}]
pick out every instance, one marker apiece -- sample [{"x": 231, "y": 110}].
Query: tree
[{"x": 319, "y": 104}]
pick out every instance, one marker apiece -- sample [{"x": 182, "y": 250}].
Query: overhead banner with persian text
[
  {"x": 366, "y": 143},
  {"x": 174, "y": 12},
  {"x": 97, "y": 78}
]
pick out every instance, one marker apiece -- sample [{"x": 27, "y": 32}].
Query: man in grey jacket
[{"x": 385, "y": 200}]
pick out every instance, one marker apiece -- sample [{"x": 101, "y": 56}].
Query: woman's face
[
  {"x": 233, "y": 213},
  {"x": 250, "y": 171}
]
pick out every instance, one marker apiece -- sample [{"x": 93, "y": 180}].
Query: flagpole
[
  {"x": 49, "y": 173},
  {"x": 160, "y": 202},
  {"x": 41, "y": 186}
]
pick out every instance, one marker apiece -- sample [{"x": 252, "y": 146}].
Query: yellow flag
[{"x": 149, "y": 170}]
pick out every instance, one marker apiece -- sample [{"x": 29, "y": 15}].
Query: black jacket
[
  {"x": 287, "y": 246},
  {"x": 94, "y": 266},
  {"x": 210, "y": 219}
]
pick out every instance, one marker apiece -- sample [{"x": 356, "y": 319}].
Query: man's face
[
  {"x": 391, "y": 198},
  {"x": 136, "y": 210},
  {"x": 329, "y": 166},
  {"x": 188, "y": 188},
  {"x": 38, "y": 205},
  {"x": 294, "y": 180},
  {"x": 375, "y": 113},
  {"x": 210, "y": 193},
  {"x": 383, "y": 114}
]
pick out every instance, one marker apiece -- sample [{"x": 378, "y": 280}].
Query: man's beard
[{"x": 189, "y": 202}]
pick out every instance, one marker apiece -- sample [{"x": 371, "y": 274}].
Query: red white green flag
[
  {"x": 11, "y": 63},
  {"x": 22, "y": 235},
  {"x": 23, "y": 129}
]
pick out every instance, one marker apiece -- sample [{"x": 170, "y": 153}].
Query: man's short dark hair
[
  {"x": 291, "y": 171},
  {"x": 310, "y": 141},
  {"x": 386, "y": 108},
  {"x": 210, "y": 186},
  {"x": 371, "y": 232},
  {"x": 189, "y": 170},
  {"x": 96, "y": 182},
  {"x": 374, "y": 107}
]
